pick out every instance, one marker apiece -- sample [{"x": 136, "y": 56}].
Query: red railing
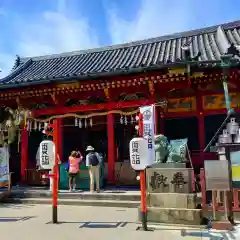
[{"x": 215, "y": 200}]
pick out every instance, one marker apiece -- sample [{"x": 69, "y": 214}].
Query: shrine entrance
[
  {"x": 211, "y": 125},
  {"x": 78, "y": 138},
  {"x": 177, "y": 128},
  {"x": 124, "y": 132}
]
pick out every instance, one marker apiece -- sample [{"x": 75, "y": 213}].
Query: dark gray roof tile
[{"x": 125, "y": 57}]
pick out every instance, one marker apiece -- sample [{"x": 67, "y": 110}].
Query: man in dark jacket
[{"x": 93, "y": 161}]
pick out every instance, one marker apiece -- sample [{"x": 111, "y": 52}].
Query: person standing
[
  {"x": 93, "y": 161},
  {"x": 74, "y": 160}
]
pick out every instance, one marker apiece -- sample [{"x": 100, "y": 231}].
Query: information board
[{"x": 217, "y": 175}]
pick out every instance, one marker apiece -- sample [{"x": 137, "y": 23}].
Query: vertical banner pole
[
  {"x": 55, "y": 175},
  {"x": 143, "y": 200},
  {"x": 143, "y": 183}
]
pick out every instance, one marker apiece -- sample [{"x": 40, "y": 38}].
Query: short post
[
  {"x": 50, "y": 180},
  {"x": 143, "y": 200},
  {"x": 55, "y": 175}
]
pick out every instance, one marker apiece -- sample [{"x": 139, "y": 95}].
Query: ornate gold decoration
[
  {"x": 198, "y": 75},
  {"x": 10, "y": 123},
  {"x": 106, "y": 92},
  {"x": 53, "y": 96},
  {"x": 151, "y": 87},
  {"x": 177, "y": 71}
]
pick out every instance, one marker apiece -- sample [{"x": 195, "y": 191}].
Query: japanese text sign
[
  {"x": 47, "y": 154},
  {"x": 139, "y": 153}
]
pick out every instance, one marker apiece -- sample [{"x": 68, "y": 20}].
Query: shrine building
[{"x": 106, "y": 86}]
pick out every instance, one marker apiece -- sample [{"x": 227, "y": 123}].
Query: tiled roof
[{"x": 211, "y": 42}]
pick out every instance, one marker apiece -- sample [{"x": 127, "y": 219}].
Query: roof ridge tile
[
  {"x": 37, "y": 70},
  {"x": 167, "y": 37}
]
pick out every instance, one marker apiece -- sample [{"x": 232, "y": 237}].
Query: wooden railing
[
  {"x": 34, "y": 177},
  {"x": 215, "y": 200}
]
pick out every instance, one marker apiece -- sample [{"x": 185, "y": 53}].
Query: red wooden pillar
[
  {"x": 24, "y": 154},
  {"x": 201, "y": 133},
  {"x": 111, "y": 148},
  {"x": 156, "y": 117},
  {"x": 60, "y": 138},
  {"x": 161, "y": 122}
]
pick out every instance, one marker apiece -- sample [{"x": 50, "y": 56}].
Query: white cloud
[
  {"x": 48, "y": 32},
  {"x": 160, "y": 17},
  {"x": 154, "y": 18}
]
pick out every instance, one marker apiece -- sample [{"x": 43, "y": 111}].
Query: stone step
[
  {"x": 173, "y": 215},
  {"x": 75, "y": 202},
  {"x": 172, "y": 200},
  {"x": 115, "y": 196}
]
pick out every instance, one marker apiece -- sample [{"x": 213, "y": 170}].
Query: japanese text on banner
[
  {"x": 45, "y": 157},
  {"x": 135, "y": 156},
  {"x": 148, "y": 129}
]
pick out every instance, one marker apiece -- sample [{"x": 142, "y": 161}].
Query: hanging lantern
[
  {"x": 132, "y": 120},
  {"x": 45, "y": 126},
  {"x": 28, "y": 125},
  {"x": 39, "y": 126},
  {"x": 20, "y": 118},
  {"x": 85, "y": 123},
  {"x": 121, "y": 119},
  {"x": 80, "y": 123},
  {"x": 125, "y": 120},
  {"x": 35, "y": 125},
  {"x": 233, "y": 126},
  {"x": 91, "y": 122},
  {"x": 76, "y": 122}
]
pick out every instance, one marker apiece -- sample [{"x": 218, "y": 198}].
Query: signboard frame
[{"x": 217, "y": 175}]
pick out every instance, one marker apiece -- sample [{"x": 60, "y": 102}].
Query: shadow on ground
[
  {"x": 97, "y": 225},
  {"x": 15, "y": 206},
  {"x": 15, "y": 219},
  {"x": 209, "y": 235}
]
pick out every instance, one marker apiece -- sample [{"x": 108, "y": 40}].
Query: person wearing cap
[{"x": 92, "y": 162}]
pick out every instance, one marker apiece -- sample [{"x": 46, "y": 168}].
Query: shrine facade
[{"x": 106, "y": 86}]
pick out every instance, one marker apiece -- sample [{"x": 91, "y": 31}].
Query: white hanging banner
[
  {"x": 139, "y": 157},
  {"x": 4, "y": 165},
  {"x": 47, "y": 154},
  {"x": 149, "y": 130}
]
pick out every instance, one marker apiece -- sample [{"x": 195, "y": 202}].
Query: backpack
[{"x": 93, "y": 160}]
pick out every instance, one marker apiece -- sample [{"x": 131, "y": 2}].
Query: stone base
[
  {"x": 168, "y": 165},
  {"x": 169, "y": 180},
  {"x": 173, "y": 215},
  {"x": 172, "y": 200}
]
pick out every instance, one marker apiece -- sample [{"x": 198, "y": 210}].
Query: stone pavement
[{"x": 80, "y": 222}]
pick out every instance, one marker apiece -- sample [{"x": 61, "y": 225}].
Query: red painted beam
[{"x": 91, "y": 107}]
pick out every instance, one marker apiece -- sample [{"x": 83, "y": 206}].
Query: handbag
[{"x": 67, "y": 167}]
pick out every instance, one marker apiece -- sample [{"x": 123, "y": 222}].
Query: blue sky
[{"x": 30, "y": 28}]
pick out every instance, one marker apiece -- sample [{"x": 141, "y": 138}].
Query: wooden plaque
[{"x": 217, "y": 175}]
